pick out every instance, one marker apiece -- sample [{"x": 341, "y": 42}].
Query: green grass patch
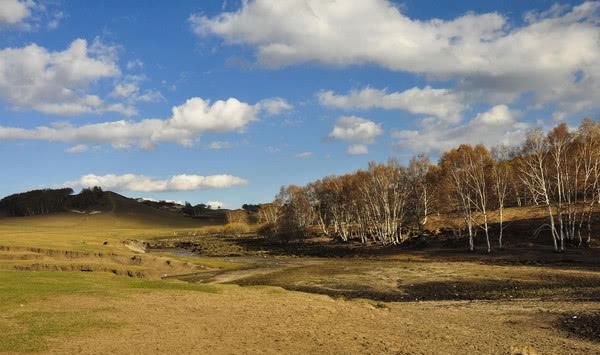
[
  {"x": 28, "y": 318},
  {"x": 17, "y": 287},
  {"x": 29, "y": 331}
]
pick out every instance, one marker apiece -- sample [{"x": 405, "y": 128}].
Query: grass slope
[
  {"x": 123, "y": 218},
  {"x": 95, "y": 242}
]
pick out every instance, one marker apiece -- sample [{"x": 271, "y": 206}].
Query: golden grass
[{"x": 71, "y": 242}]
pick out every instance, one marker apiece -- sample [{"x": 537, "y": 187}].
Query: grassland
[
  {"x": 243, "y": 294},
  {"x": 30, "y": 315}
]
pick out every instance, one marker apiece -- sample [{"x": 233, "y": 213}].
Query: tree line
[
  {"x": 387, "y": 203},
  {"x": 46, "y": 201}
]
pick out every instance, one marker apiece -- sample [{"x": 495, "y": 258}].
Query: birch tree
[
  {"x": 453, "y": 164},
  {"x": 501, "y": 172},
  {"x": 419, "y": 174},
  {"x": 534, "y": 173}
]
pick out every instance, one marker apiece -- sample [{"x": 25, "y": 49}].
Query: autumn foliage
[{"x": 387, "y": 203}]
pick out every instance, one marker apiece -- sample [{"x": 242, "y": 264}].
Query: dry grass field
[{"x": 80, "y": 284}]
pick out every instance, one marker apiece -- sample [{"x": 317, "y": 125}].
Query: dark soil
[
  {"x": 582, "y": 325},
  {"x": 573, "y": 289}
]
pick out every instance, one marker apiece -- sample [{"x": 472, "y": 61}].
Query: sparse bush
[
  {"x": 267, "y": 230},
  {"x": 237, "y": 216},
  {"x": 237, "y": 229}
]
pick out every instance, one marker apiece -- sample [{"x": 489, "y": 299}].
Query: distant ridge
[{"x": 95, "y": 201}]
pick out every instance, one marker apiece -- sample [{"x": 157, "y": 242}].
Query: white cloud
[
  {"x": 129, "y": 90},
  {"x": 141, "y": 183},
  {"x": 149, "y": 96},
  {"x": 275, "y": 106},
  {"x": 30, "y": 15},
  {"x": 125, "y": 89},
  {"x": 76, "y": 149},
  {"x": 136, "y": 63},
  {"x": 304, "y": 155},
  {"x": 442, "y": 103},
  {"x": 499, "y": 115},
  {"x": 13, "y": 12},
  {"x": 54, "y": 20},
  {"x": 357, "y": 149},
  {"x": 554, "y": 56},
  {"x": 356, "y": 129},
  {"x": 499, "y": 125},
  {"x": 33, "y": 77},
  {"x": 221, "y": 116},
  {"x": 215, "y": 204},
  {"x": 188, "y": 121},
  {"x": 218, "y": 145}
]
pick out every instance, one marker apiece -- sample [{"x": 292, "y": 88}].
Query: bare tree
[
  {"x": 269, "y": 212},
  {"x": 501, "y": 172},
  {"x": 388, "y": 201},
  {"x": 454, "y": 167},
  {"x": 588, "y": 139},
  {"x": 419, "y": 174},
  {"x": 534, "y": 174},
  {"x": 478, "y": 164}
]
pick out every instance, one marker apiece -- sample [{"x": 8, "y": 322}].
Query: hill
[{"x": 95, "y": 201}]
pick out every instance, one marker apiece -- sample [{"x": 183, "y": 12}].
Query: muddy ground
[{"x": 436, "y": 299}]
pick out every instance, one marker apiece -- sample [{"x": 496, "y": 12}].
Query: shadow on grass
[{"x": 579, "y": 289}]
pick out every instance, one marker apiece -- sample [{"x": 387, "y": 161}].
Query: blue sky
[{"x": 229, "y": 100}]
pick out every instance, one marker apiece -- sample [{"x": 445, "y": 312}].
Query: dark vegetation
[
  {"x": 50, "y": 201},
  {"x": 194, "y": 211},
  {"x": 47, "y": 201},
  {"x": 163, "y": 205}
]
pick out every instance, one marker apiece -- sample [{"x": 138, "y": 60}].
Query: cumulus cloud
[
  {"x": 356, "y": 129},
  {"x": 29, "y": 15},
  {"x": 442, "y": 103},
  {"x": 129, "y": 90},
  {"x": 499, "y": 115},
  {"x": 357, "y": 149},
  {"x": 554, "y": 56},
  {"x": 33, "y": 77},
  {"x": 275, "y": 106},
  {"x": 188, "y": 121},
  {"x": 498, "y": 125},
  {"x": 141, "y": 183},
  {"x": 13, "y": 12}
]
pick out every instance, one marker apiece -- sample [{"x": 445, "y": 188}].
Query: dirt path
[{"x": 252, "y": 267}]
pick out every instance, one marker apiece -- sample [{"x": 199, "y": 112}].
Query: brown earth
[
  {"x": 309, "y": 296},
  {"x": 269, "y": 320}
]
